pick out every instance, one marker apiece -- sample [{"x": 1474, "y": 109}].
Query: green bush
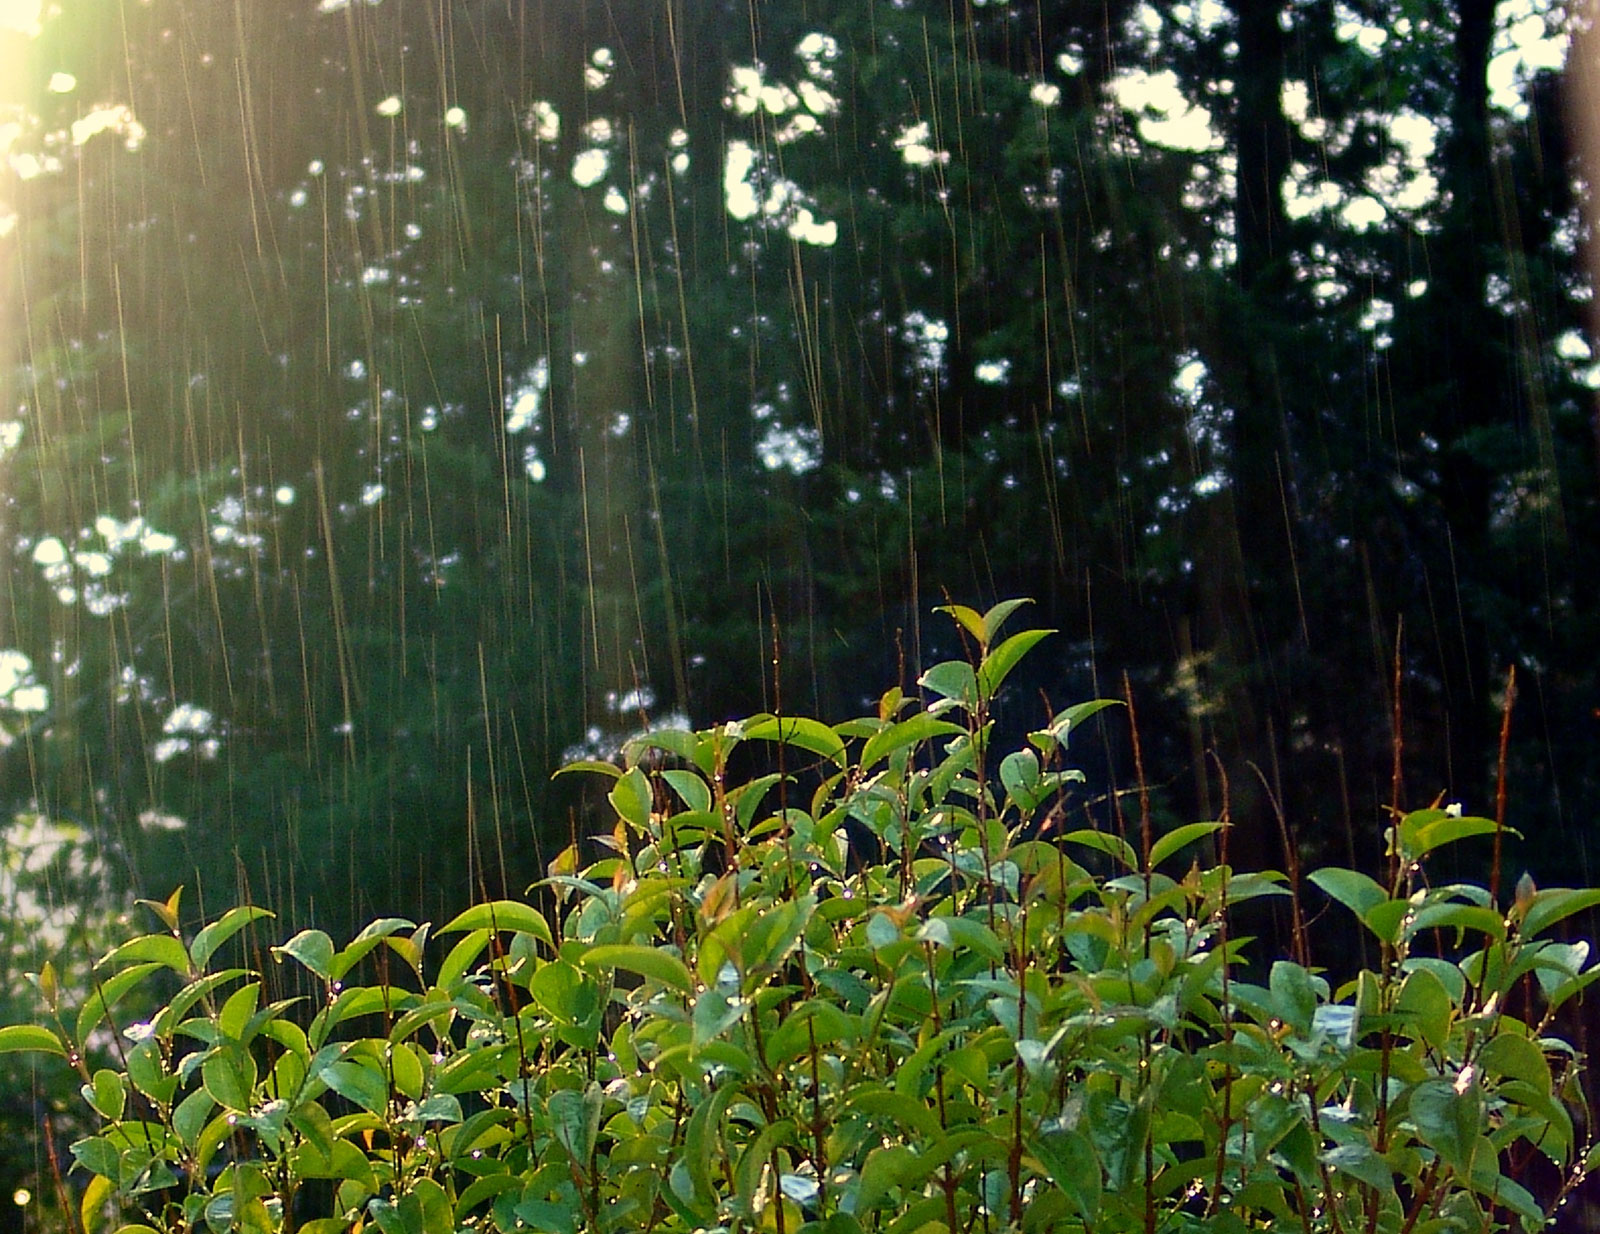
[{"x": 876, "y": 985}]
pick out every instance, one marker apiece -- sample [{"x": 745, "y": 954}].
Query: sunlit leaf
[
  {"x": 649, "y": 962},
  {"x": 207, "y": 941},
  {"x": 503, "y": 915},
  {"x": 804, "y": 734},
  {"x": 18, "y": 1038}
]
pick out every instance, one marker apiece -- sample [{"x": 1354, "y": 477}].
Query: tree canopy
[{"x": 405, "y": 395}]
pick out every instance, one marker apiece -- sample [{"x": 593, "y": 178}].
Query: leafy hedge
[{"x": 878, "y": 986}]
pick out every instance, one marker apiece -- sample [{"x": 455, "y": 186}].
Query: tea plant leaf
[
  {"x": 1498, "y": 1189},
  {"x": 110, "y": 992},
  {"x": 695, "y": 792},
  {"x": 968, "y": 619},
  {"x": 313, "y": 949},
  {"x": 1019, "y": 774},
  {"x": 998, "y": 616},
  {"x": 689, "y": 746},
  {"x": 649, "y": 962},
  {"x": 918, "y": 728},
  {"x": 1066, "y": 722},
  {"x": 632, "y": 798},
  {"x": 1556, "y": 904},
  {"x": 207, "y": 940},
  {"x": 1356, "y": 891},
  {"x": 888, "y": 1167},
  {"x": 1426, "y": 1004},
  {"x": 1360, "y": 1161},
  {"x": 1422, "y": 831},
  {"x": 997, "y": 665},
  {"x": 1460, "y": 916},
  {"x": 592, "y": 765},
  {"x": 1180, "y": 838},
  {"x": 1104, "y": 842},
  {"x": 91, "y": 1209},
  {"x": 1449, "y": 1115},
  {"x": 360, "y": 1082},
  {"x": 106, "y": 1094},
  {"x": 504, "y": 915},
  {"x": 944, "y": 931},
  {"x": 1070, "y": 1162},
  {"x": 575, "y": 1120},
  {"x": 18, "y": 1038},
  {"x": 805, "y": 734},
  {"x": 163, "y": 949},
  {"x": 1516, "y": 1058},
  {"x": 954, "y": 681},
  {"x": 229, "y": 1073}
]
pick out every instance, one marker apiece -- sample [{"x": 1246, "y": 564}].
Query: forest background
[{"x": 399, "y": 397}]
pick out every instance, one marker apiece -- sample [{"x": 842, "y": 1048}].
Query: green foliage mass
[{"x": 870, "y": 982}]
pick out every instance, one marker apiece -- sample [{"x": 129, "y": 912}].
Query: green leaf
[
  {"x": 771, "y": 937},
  {"x": 920, "y": 727},
  {"x": 953, "y": 679},
  {"x": 99, "y": 1156},
  {"x": 1449, "y": 1118},
  {"x": 953, "y": 932},
  {"x": 229, "y": 1073},
  {"x": 461, "y": 957},
  {"x": 1069, "y": 1160},
  {"x": 694, "y": 791},
  {"x": 1356, "y": 891},
  {"x": 1507, "y": 1055},
  {"x": 700, "y": 1139},
  {"x": 632, "y": 798},
  {"x": 997, "y": 665},
  {"x": 313, "y": 949},
  {"x": 109, "y": 993},
  {"x": 1180, "y": 838},
  {"x": 649, "y": 962},
  {"x": 997, "y": 616},
  {"x": 360, "y": 1082},
  {"x": 190, "y": 1116},
  {"x": 888, "y": 1167},
  {"x": 440, "y": 1108},
  {"x": 106, "y": 1094},
  {"x": 207, "y": 941},
  {"x": 805, "y": 734},
  {"x": 968, "y": 619},
  {"x": 312, "y": 1121},
  {"x": 591, "y": 765},
  {"x": 504, "y": 915},
  {"x": 575, "y": 1120},
  {"x": 564, "y": 992},
  {"x": 1426, "y": 1004},
  {"x": 1105, "y": 842},
  {"x": 1422, "y": 831},
  {"x": 893, "y": 1109},
  {"x": 1459, "y": 917},
  {"x": 1068, "y": 721},
  {"x": 1019, "y": 773},
  {"x": 1294, "y": 999},
  {"x": 236, "y": 1012},
  {"x": 1489, "y": 1182},
  {"x": 689, "y": 746},
  {"x": 1556, "y": 904},
  {"x": 17, "y": 1038},
  {"x": 1360, "y": 1161},
  {"x": 161, "y": 949}
]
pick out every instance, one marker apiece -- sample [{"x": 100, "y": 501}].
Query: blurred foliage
[{"x": 406, "y": 395}]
